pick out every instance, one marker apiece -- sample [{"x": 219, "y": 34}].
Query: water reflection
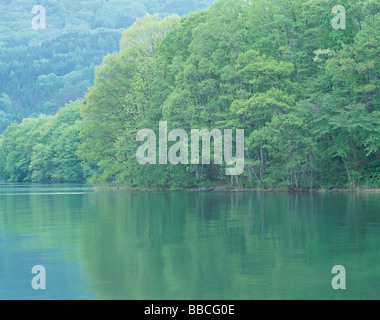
[
  {"x": 228, "y": 246},
  {"x": 189, "y": 245}
]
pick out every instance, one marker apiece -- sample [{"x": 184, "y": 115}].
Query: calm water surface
[{"x": 185, "y": 245}]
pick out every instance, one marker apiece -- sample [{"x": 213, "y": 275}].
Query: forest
[
  {"x": 307, "y": 96},
  {"x": 42, "y": 70}
]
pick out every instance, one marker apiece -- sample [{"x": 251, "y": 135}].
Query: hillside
[{"x": 41, "y": 70}]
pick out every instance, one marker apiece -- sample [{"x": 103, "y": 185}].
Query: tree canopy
[{"x": 306, "y": 95}]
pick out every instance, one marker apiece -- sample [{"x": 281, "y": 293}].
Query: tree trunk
[
  {"x": 261, "y": 162},
  {"x": 258, "y": 180},
  {"x": 348, "y": 173},
  {"x": 249, "y": 167}
]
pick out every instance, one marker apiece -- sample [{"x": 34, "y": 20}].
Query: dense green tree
[
  {"x": 307, "y": 102},
  {"x": 43, "y": 149},
  {"x": 306, "y": 95},
  {"x": 118, "y": 104}
]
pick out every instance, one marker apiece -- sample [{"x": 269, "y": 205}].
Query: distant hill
[{"x": 41, "y": 70}]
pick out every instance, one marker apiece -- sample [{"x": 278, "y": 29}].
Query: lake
[{"x": 187, "y": 245}]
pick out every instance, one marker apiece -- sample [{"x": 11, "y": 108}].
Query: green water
[{"x": 187, "y": 245}]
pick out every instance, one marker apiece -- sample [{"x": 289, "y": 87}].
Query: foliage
[
  {"x": 307, "y": 96},
  {"x": 42, "y": 70},
  {"x": 43, "y": 149}
]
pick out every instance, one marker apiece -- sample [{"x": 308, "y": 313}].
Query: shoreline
[
  {"x": 231, "y": 189},
  {"x": 112, "y": 188}
]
